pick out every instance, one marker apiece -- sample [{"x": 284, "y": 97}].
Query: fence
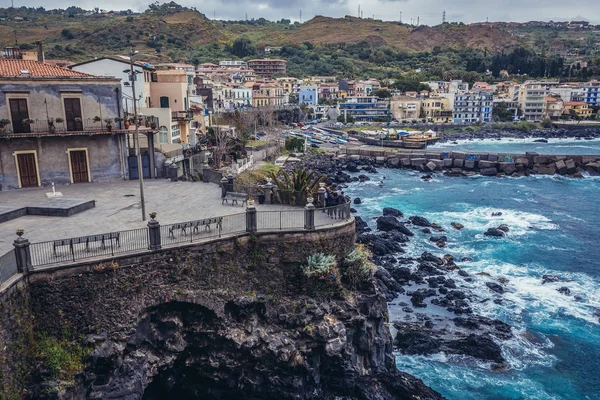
[
  {"x": 8, "y": 266},
  {"x": 209, "y": 175},
  {"x": 155, "y": 236}
]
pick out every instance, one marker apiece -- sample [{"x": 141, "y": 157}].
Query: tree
[
  {"x": 349, "y": 118},
  {"x": 382, "y": 93},
  {"x": 242, "y": 47}
]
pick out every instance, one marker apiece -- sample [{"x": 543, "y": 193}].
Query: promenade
[{"x": 117, "y": 208}]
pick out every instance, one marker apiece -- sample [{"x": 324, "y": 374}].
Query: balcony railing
[
  {"x": 43, "y": 126},
  {"x": 182, "y": 115}
]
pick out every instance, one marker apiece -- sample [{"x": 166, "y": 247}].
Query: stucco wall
[
  {"x": 105, "y": 159},
  {"x": 97, "y": 98}
]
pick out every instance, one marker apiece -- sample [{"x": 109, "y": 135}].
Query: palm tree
[{"x": 295, "y": 187}]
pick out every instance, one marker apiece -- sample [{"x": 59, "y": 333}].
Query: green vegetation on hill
[{"x": 347, "y": 47}]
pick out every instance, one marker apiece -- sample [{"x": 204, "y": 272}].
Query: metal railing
[
  {"x": 8, "y": 266},
  {"x": 91, "y": 246},
  {"x": 280, "y": 220},
  {"x": 332, "y": 215},
  {"x": 43, "y": 126},
  {"x": 197, "y": 230},
  {"x": 111, "y": 244}
]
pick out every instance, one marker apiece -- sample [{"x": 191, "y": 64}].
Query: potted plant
[
  {"x": 3, "y": 123},
  {"x": 250, "y": 201},
  {"x": 127, "y": 123},
  {"x": 51, "y": 127},
  {"x": 147, "y": 123},
  {"x": 153, "y": 124},
  {"x": 26, "y": 121},
  {"x": 97, "y": 119},
  {"x": 108, "y": 122}
]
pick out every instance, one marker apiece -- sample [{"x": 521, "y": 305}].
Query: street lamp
[{"x": 132, "y": 79}]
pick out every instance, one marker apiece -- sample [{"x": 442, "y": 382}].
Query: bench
[
  {"x": 234, "y": 197},
  {"x": 195, "y": 226},
  {"x": 103, "y": 238}
]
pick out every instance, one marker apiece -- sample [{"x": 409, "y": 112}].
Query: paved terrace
[{"x": 118, "y": 208}]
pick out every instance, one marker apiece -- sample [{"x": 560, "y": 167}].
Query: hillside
[
  {"x": 160, "y": 37},
  {"x": 325, "y": 31}
]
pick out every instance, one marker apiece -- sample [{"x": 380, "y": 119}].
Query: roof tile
[{"x": 14, "y": 68}]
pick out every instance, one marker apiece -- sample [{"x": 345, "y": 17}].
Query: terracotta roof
[{"x": 16, "y": 68}]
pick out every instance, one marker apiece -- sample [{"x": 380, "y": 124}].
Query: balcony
[
  {"x": 182, "y": 115},
  {"x": 85, "y": 126}
]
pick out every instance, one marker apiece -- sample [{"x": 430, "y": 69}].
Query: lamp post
[{"x": 137, "y": 134}]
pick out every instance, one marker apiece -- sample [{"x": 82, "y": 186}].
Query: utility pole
[
  {"x": 300, "y": 16},
  {"x": 137, "y": 135},
  {"x": 359, "y": 11},
  {"x": 400, "y": 16},
  {"x": 444, "y": 17}
]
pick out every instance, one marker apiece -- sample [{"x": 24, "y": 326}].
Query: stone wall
[{"x": 16, "y": 329}]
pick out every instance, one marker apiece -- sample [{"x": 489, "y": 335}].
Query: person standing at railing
[{"x": 341, "y": 205}]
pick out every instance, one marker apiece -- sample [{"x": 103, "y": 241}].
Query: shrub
[
  {"x": 63, "y": 358},
  {"x": 321, "y": 266},
  {"x": 357, "y": 267},
  {"x": 547, "y": 123}
]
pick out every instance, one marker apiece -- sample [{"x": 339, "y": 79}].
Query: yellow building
[
  {"x": 437, "y": 109},
  {"x": 579, "y": 108},
  {"x": 268, "y": 93}
]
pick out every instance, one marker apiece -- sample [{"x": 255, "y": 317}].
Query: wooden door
[
  {"x": 73, "y": 115},
  {"x": 79, "y": 166},
  {"x": 27, "y": 170},
  {"x": 19, "y": 112}
]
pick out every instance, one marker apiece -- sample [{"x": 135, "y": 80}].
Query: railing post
[
  {"x": 224, "y": 183},
  {"x": 321, "y": 195},
  {"x": 230, "y": 179},
  {"x": 309, "y": 215},
  {"x": 22, "y": 253},
  {"x": 154, "y": 239},
  {"x": 251, "y": 218}
]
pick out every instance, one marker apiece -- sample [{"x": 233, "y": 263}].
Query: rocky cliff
[{"x": 235, "y": 318}]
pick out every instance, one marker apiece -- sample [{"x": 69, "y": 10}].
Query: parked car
[
  {"x": 314, "y": 145},
  {"x": 300, "y": 124}
]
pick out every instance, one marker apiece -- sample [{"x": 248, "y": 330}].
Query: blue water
[
  {"x": 520, "y": 146},
  {"x": 554, "y": 224}
]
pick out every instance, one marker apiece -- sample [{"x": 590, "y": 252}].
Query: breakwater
[{"x": 488, "y": 164}]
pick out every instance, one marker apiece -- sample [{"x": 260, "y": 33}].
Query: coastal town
[{"x": 269, "y": 213}]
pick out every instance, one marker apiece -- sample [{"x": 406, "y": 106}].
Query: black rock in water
[
  {"x": 494, "y": 232},
  {"x": 495, "y": 287},
  {"x": 420, "y": 221},
  {"x": 357, "y": 200},
  {"x": 394, "y": 212},
  {"x": 389, "y": 223}
]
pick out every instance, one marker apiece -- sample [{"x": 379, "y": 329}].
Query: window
[
  {"x": 175, "y": 132},
  {"x": 164, "y": 102},
  {"x": 163, "y": 135}
]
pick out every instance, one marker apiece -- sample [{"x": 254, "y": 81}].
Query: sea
[{"x": 554, "y": 230}]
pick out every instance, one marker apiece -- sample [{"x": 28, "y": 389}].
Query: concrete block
[
  {"x": 448, "y": 162},
  {"x": 380, "y": 160},
  {"x": 541, "y": 160},
  {"x": 522, "y": 160},
  {"x": 458, "y": 162},
  {"x": 417, "y": 155},
  {"x": 587, "y": 159},
  {"x": 483, "y": 156},
  {"x": 486, "y": 164},
  {"x": 415, "y": 162},
  {"x": 561, "y": 167},
  {"x": 492, "y": 157},
  {"x": 394, "y": 162},
  {"x": 507, "y": 167},
  {"x": 489, "y": 171},
  {"x": 458, "y": 155},
  {"x": 355, "y": 157},
  {"x": 469, "y": 164},
  {"x": 439, "y": 164},
  {"x": 547, "y": 170},
  {"x": 405, "y": 162},
  {"x": 433, "y": 155},
  {"x": 430, "y": 166},
  {"x": 570, "y": 164},
  {"x": 558, "y": 158}
]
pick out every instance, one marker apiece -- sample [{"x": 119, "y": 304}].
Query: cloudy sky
[{"x": 428, "y": 11}]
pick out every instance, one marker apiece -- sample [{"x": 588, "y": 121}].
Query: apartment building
[
  {"x": 473, "y": 107},
  {"x": 59, "y": 125},
  {"x": 591, "y": 93},
  {"x": 436, "y": 109},
  {"x": 233, "y": 64},
  {"x": 268, "y": 67},
  {"x": 364, "y": 108},
  {"x": 308, "y": 95},
  {"x": 405, "y": 108},
  {"x": 531, "y": 98},
  {"x": 266, "y": 93},
  {"x": 553, "y": 107},
  {"x": 577, "y": 109}
]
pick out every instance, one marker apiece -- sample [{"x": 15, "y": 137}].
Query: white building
[{"x": 118, "y": 67}]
